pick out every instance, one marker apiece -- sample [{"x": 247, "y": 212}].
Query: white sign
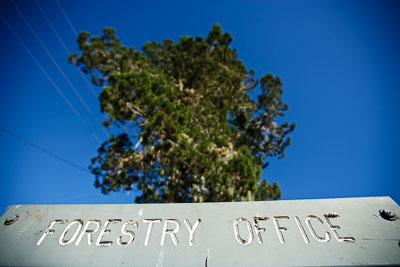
[{"x": 331, "y": 232}]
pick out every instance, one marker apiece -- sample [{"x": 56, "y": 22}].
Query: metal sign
[{"x": 326, "y": 232}]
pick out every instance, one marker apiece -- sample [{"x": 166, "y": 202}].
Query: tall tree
[{"x": 194, "y": 124}]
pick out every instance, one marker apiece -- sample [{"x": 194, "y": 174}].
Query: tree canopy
[{"x": 193, "y": 123}]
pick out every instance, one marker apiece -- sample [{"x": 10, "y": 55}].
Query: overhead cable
[
  {"x": 67, "y": 18},
  {"x": 65, "y": 47},
  {"x": 74, "y": 110},
  {"x": 68, "y": 53},
  {"x": 44, "y": 150},
  {"x": 54, "y": 61}
]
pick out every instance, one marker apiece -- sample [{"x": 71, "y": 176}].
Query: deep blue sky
[{"x": 339, "y": 62}]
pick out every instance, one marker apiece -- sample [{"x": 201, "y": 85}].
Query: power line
[
  {"x": 76, "y": 34},
  {"x": 50, "y": 80},
  {"x": 66, "y": 17},
  {"x": 68, "y": 53},
  {"x": 65, "y": 47},
  {"x": 54, "y": 61},
  {"x": 44, "y": 150},
  {"x": 53, "y": 28}
]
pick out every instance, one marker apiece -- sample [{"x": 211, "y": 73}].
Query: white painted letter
[
  {"x": 301, "y": 228},
  {"x": 280, "y": 229},
  {"x": 313, "y": 233},
  {"x": 249, "y": 229},
  {"x": 191, "y": 230},
  {"x": 150, "y": 222},
  {"x": 49, "y": 231},
  {"x": 63, "y": 242},
  {"x": 104, "y": 231},
  {"x": 258, "y": 229},
  {"x": 334, "y": 229},
  {"x": 127, "y": 232},
  {"x": 89, "y": 232},
  {"x": 171, "y": 232}
]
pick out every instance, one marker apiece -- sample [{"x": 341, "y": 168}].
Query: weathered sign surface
[{"x": 327, "y": 232}]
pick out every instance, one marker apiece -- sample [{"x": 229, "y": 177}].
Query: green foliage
[{"x": 190, "y": 132}]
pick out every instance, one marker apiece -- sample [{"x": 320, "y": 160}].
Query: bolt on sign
[{"x": 326, "y": 232}]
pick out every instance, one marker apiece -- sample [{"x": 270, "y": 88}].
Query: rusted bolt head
[
  {"x": 11, "y": 219},
  {"x": 387, "y": 215}
]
